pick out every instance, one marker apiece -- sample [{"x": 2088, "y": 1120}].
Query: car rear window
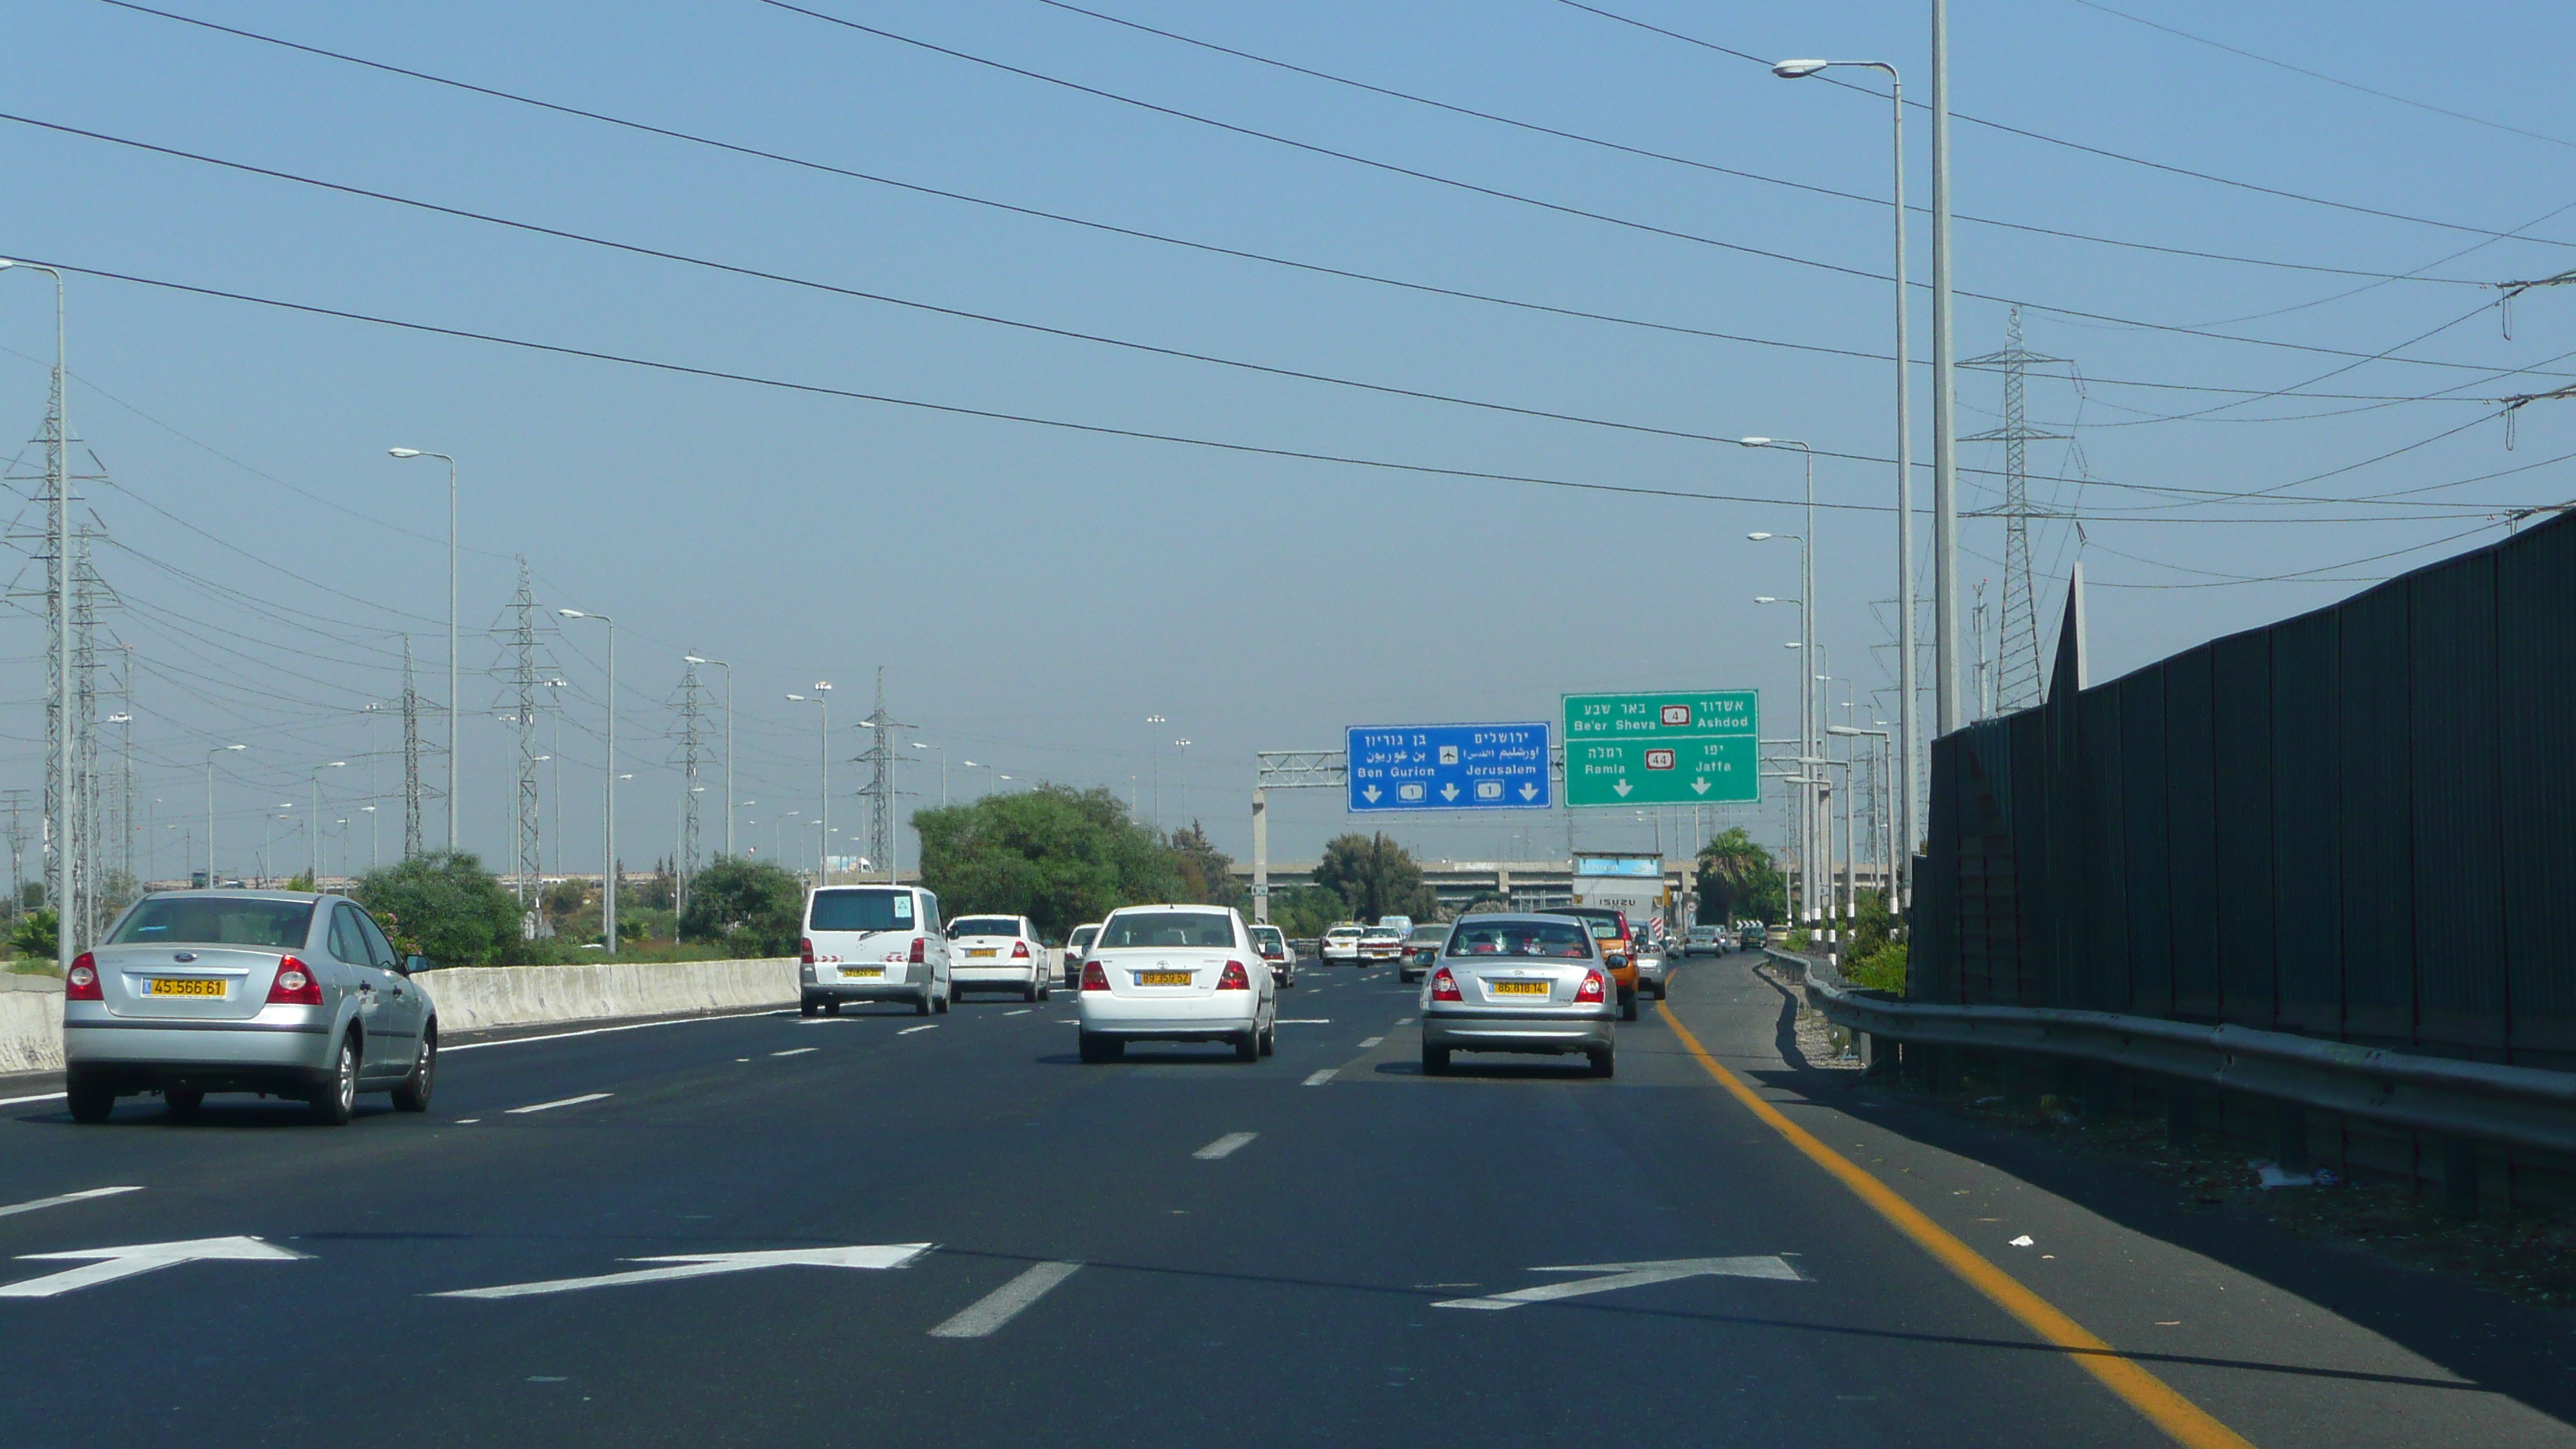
[
  {"x": 861, "y": 910},
  {"x": 1083, "y": 936},
  {"x": 270, "y": 925},
  {"x": 984, "y": 926},
  {"x": 1605, "y": 925},
  {"x": 1168, "y": 928},
  {"x": 1428, "y": 935},
  {"x": 1545, "y": 940}
]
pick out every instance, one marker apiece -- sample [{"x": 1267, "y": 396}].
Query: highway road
[{"x": 760, "y": 1230}]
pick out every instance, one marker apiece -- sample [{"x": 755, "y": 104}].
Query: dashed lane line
[
  {"x": 1320, "y": 1078},
  {"x": 1023, "y": 1011},
  {"x": 560, "y": 1102},
  {"x": 1368, "y": 1042},
  {"x": 472, "y": 1046},
  {"x": 1225, "y": 1146},
  {"x": 909, "y": 1030},
  {"x": 38, "y": 1097},
  {"x": 982, "y": 1317},
  {"x": 795, "y": 1051},
  {"x": 85, "y": 1194}
]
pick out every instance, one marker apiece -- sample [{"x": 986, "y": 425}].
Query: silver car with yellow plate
[{"x": 1520, "y": 983}]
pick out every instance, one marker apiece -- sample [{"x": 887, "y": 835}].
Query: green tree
[
  {"x": 1303, "y": 911},
  {"x": 1207, "y": 873},
  {"x": 35, "y": 937},
  {"x": 1739, "y": 880},
  {"x": 1057, "y": 855},
  {"x": 1376, "y": 876},
  {"x": 754, "y": 907},
  {"x": 446, "y": 906}
]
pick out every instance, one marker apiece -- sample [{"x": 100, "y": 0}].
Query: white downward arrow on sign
[
  {"x": 1529, "y": 792},
  {"x": 1701, "y": 785},
  {"x": 1623, "y": 787},
  {"x": 110, "y": 1264},
  {"x": 1633, "y": 1275},
  {"x": 700, "y": 1265},
  {"x": 1370, "y": 794},
  {"x": 1449, "y": 792}
]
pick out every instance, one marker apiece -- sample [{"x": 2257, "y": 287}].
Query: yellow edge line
[{"x": 2183, "y": 1421}]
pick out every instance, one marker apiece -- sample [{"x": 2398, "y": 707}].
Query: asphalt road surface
[{"x": 886, "y": 1229}]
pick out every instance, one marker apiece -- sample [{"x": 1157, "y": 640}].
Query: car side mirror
[{"x": 414, "y": 964}]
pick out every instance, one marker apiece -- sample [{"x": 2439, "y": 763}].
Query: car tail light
[
  {"x": 1233, "y": 978},
  {"x": 919, "y": 945},
  {"x": 1094, "y": 978},
  {"x": 1444, "y": 987},
  {"x": 1592, "y": 987},
  {"x": 295, "y": 984},
  {"x": 1019, "y": 950},
  {"x": 81, "y": 982},
  {"x": 805, "y": 950}
]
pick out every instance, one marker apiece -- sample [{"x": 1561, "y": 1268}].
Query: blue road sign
[{"x": 1449, "y": 767}]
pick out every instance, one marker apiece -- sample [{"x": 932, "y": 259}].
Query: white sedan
[
  {"x": 998, "y": 953},
  {"x": 1176, "y": 973}
]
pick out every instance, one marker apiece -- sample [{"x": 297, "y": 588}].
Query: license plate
[
  {"x": 184, "y": 986},
  {"x": 1162, "y": 978},
  {"x": 1519, "y": 988},
  {"x": 982, "y": 951},
  {"x": 862, "y": 972}
]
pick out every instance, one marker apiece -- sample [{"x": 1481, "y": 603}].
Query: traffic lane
[{"x": 2287, "y": 1342}]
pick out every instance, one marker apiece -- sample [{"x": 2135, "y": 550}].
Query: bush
[
  {"x": 1881, "y": 968},
  {"x": 34, "y": 937},
  {"x": 753, "y": 907},
  {"x": 446, "y": 906}
]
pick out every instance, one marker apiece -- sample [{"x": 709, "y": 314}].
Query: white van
[{"x": 873, "y": 943}]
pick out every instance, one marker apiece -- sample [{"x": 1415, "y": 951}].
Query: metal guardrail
[{"x": 2525, "y": 1106}]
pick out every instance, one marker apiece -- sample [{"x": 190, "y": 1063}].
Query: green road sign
[{"x": 1690, "y": 748}]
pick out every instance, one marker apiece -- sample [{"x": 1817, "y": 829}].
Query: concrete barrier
[{"x": 475, "y": 998}]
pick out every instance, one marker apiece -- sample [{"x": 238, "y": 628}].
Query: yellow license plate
[
  {"x": 983, "y": 951},
  {"x": 1162, "y": 978},
  {"x": 848, "y": 972},
  {"x": 1520, "y": 988},
  {"x": 184, "y": 986}
]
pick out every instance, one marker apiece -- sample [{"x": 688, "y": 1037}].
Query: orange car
[{"x": 1618, "y": 949}]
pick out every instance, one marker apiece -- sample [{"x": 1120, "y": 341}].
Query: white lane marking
[
  {"x": 1320, "y": 1078},
  {"x": 1367, "y": 1042},
  {"x": 795, "y": 1051},
  {"x": 464, "y": 1121},
  {"x": 1303, "y": 1021},
  {"x": 980, "y": 1318},
  {"x": 1404, "y": 1021},
  {"x": 1023, "y": 1011},
  {"x": 22, "y": 1101},
  {"x": 84, "y": 1195},
  {"x": 110, "y": 1264},
  {"x": 909, "y": 1030},
  {"x": 563, "y": 1102},
  {"x": 1633, "y": 1275},
  {"x": 700, "y": 1265},
  {"x": 473, "y": 1046},
  {"x": 1225, "y": 1146}
]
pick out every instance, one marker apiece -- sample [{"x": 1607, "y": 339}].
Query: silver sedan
[{"x": 1519, "y": 983}]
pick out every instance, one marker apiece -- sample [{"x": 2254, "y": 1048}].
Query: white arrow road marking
[
  {"x": 979, "y": 1318},
  {"x": 115, "y": 1263},
  {"x": 559, "y": 1102},
  {"x": 700, "y": 1265},
  {"x": 84, "y": 1195},
  {"x": 1632, "y": 1275},
  {"x": 1224, "y": 1146}
]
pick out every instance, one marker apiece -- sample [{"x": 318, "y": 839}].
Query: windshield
[
  {"x": 219, "y": 921},
  {"x": 985, "y": 926},
  {"x": 1542, "y": 940},
  {"x": 1428, "y": 935},
  {"x": 1167, "y": 928},
  {"x": 861, "y": 910}
]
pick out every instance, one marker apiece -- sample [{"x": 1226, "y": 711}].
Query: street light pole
[
  {"x": 210, "y": 808},
  {"x": 822, "y": 696},
  {"x": 455, "y": 742},
  {"x": 317, "y": 818},
  {"x": 608, "y": 789},
  {"x": 1908, "y": 724},
  {"x": 942, "y": 752},
  {"x": 728, "y": 669},
  {"x": 1945, "y": 461}
]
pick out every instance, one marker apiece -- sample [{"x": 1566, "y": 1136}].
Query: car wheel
[
  {"x": 1247, "y": 1046},
  {"x": 1031, "y": 994},
  {"x": 412, "y": 1093},
  {"x": 89, "y": 1104},
  {"x": 1604, "y": 1061},
  {"x": 1435, "y": 1060},
  {"x": 1270, "y": 1042},
  {"x": 1096, "y": 1048},
  {"x": 808, "y": 1007},
  {"x": 183, "y": 1102},
  {"x": 336, "y": 1100},
  {"x": 948, "y": 998},
  {"x": 831, "y": 1008},
  {"x": 1627, "y": 1006},
  {"x": 922, "y": 1007}
]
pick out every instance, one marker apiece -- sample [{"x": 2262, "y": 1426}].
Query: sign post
[{"x": 1679, "y": 748}]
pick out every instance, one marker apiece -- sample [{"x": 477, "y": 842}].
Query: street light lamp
[
  {"x": 1944, "y": 502},
  {"x": 608, "y": 789},
  {"x": 210, "y": 808},
  {"x": 454, "y": 743},
  {"x": 942, "y": 752}
]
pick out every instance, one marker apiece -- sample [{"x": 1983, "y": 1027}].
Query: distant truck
[{"x": 1623, "y": 882}]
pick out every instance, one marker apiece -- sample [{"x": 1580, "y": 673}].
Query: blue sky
[{"x": 1035, "y": 593}]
